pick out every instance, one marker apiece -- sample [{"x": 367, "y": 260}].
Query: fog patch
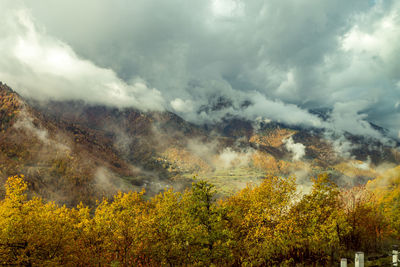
[
  {"x": 382, "y": 168},
  {"x": 340, "y": 144},
  {"x": 203, "y": 149},
  {"x": 122, "y": 140},
  {"x": 362, "y": 165},
  {"x": 26, "y": 122},
  {"x": 303, "y": 180},
  {"x": 297, "y": 149},
  {"x": 108, "y": 182},
  {"x": 229, "y": 158}
]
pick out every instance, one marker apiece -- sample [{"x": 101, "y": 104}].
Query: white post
[
  {"x": 343, "y": 262},
  {"x": 395, "y": 253},
  {"x": 359, "y": 259}
]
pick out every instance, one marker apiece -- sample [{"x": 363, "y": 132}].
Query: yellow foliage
[
  {"x": 266, "y": 162},
  {"x": 355, "y": 168},
  {"x": 258, "y": 219},
  {"x": 185, "y": 161},
  {"x": 264, "y": 225},
  {"x": 386, "y": 187},
  {"x": 33, "y": 232}
]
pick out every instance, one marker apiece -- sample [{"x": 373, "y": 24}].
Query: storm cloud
[{"x": 274, "y": 59}]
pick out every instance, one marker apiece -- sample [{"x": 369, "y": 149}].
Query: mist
[{"x": 297, "y": 149}]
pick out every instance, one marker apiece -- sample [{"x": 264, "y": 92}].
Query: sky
[{"x": 274, "y": 60}]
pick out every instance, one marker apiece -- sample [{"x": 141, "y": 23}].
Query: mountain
[{"x": 71, "y": 152}]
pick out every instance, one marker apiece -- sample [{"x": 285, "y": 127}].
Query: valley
[{"x": 72, "y": 152}]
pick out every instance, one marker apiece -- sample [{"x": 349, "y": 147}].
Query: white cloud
[
  {"x": 297, "y": 149},
  {"x": 40, "y": 66},
  {"x": 348, "y": 117},
  {"x": 180, "y": 105}
]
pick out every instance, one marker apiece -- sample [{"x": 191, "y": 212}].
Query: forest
[{"x": 272, "y": 224}]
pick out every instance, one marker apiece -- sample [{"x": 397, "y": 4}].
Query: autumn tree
[
  {"x": 214, "y": 238},
  {"x": 169, "y": 230},
  {"x": 269, "y": 224},
  {"x": 319, "y": 222},
  {"x": 117, "y": 233},
  {"x": 33, "y": 232},
  {"x": 189, "y": 228},
  {"x": 257, "y": 219},
  {"x": 365, "y": 218}
]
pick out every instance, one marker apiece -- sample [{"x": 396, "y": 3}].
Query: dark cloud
[{"x": 283, "y": 57}]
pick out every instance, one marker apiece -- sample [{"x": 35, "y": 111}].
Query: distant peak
[
  {"x": 6, "y": 88},
  {"x": 10, "y": 105}
]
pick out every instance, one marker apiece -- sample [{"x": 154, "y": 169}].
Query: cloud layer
[
  {"x": 40, "y": 66},
  {"x": 275, "y": 59}
]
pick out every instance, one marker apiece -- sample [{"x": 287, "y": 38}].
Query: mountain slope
[
  {"x": 59, "y": 165},
  {"x": 72, "y": 152}
]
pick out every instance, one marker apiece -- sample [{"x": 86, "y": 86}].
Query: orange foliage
[
  {"x": 266, "y": 162},
  {"x": 273, "y": 138},
  {"x": 184, "y": 161},
  {"x": 355, "y": 168}
]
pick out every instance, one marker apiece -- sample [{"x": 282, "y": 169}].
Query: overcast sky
[{"x": 273, "y": 59}]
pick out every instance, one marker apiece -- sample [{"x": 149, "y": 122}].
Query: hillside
[
  {"x": 71, "y": 152},
  {"x": 61, "y": 159}
]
